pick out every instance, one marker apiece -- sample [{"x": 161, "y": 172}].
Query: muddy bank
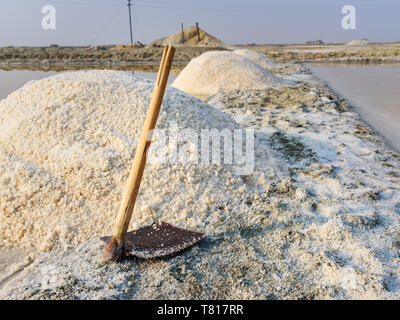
[
  {"x": 66, "y": 57},
  {"x": 113, "y": 58},
  {"x": 379, "y": 53},
  {"x": 175, "y": 69}
]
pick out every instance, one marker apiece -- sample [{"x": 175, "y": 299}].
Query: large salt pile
[
  {"x": 190, "y": 39},
  {"x": 224, "y": 71},
  {"x": 258, "y": 58},
  {"x": 66, "y": 147}
]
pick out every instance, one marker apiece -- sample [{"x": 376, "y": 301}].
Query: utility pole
[
  {"x": 183, "y": 34},
  {"x": 130, "y": 20},
  {"x": 198, "y": 31}
]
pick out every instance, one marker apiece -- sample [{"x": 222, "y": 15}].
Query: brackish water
[{"x": 15, "y": 79}]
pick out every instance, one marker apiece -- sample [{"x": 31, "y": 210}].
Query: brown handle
[{"x": 139, "y": 162}]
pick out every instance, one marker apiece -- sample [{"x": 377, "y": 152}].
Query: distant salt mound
[
  {"x": 66, "y": 146},
  {"x": 358, "y": 43},
  {"x": 190, "y": 39},
  {"x": 258, "y": 58},
  {"x": 216, "y": 71}
]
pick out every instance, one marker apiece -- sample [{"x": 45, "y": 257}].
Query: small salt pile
[
  {"x": 358, "y": 43},
  {"x": 218, "y": 71},
  {"x": 258, "y": 58}
]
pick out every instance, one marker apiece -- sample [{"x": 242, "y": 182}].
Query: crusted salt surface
[
  {"x": 351, "y": 225},
  {"x": 224, "y": 71},
  {"x": 318, "y": 219}
]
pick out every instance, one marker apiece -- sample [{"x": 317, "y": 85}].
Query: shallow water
[
  {"x": 374, "y": 92},
  {"x": 15, "y": 79}
]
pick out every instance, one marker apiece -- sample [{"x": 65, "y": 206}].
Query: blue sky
[{"x": 88, "y": 22}]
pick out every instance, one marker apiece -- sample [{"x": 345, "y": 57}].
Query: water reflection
[
  {"x": 12, "y": 79},
  {"x": 374, "y": 92}
]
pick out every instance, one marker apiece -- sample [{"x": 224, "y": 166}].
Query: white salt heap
[
  {"x": 218, "y": 71},
  {"x": 258, "y": 58},
  {"x": 66, "y": 146}
]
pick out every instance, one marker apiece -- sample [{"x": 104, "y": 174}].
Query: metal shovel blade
[{"x": 158, "y": 241}]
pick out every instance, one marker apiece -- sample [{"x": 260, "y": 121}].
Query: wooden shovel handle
[{"x": 139, "y": 162}]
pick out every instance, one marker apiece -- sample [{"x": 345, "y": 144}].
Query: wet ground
[{"x": 373, "y": 91}]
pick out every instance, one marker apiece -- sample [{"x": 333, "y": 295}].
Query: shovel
[{"x": 160, "y": 239}]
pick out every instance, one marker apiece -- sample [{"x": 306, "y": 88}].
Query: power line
[
  {"x": 150, "y": 4},
  {"x": 136, "y": 19},
  {"x": 102, "y": 4},
  {"x": 188, "y": 7},
  {"x": 108, "y": 22}
]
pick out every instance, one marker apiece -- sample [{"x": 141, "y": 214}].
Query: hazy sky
[{"x": 88, "y": 22}]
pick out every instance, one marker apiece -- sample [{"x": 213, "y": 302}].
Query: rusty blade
[{"x": 158, "y": 241}]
